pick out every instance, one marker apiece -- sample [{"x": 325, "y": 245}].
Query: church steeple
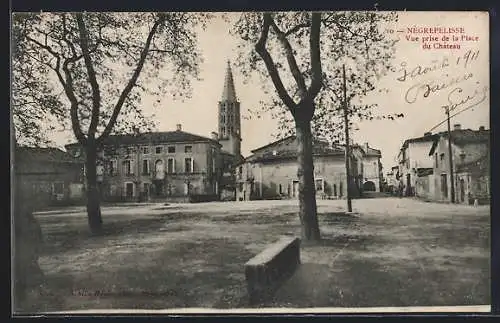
[
  {"x": 228, "y": 93},
  {"x": 229, "y": 116}
]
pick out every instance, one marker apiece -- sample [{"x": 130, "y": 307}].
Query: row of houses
[
  {"x": 181, "y": 166},
  {"x": 270, "y": 172},
  {"x": 425, "y": 169}
]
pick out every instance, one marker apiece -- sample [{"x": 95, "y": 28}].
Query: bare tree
[
  {"x": 307, "y": 100},
  {"x": 92, "y": 62}
]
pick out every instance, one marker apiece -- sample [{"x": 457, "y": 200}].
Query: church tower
[{"x": 229, "y": 116}]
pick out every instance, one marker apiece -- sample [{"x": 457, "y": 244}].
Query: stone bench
[{"x": 266, "y": 271}]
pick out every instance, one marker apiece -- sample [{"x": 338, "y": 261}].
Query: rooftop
[
  {"x": 49, "y": 154},
  {"x": 154, "y": 137},
  {"x": 286, "y": 148}
]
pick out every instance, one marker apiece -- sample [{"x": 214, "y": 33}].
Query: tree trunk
[
  {"x": 305, "y": 173},
  {"x": 93, "y": 194}
]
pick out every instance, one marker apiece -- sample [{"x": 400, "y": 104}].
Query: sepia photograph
[{"x": 250, "y": 162}]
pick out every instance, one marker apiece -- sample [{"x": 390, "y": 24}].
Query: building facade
[
  {"x": 271, "y": 172},
  {"x": 49, "y": 176},
  {"x": 173, "y": 165},
  {"x": 372, "y": 169},
  {"x": 413, "y": 161},
  {"x": 471, "y": 170}
]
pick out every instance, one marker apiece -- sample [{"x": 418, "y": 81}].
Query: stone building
[
  {"x": 174, "y": 165},
  {"x": 471, "y": 167},
  {"x": 50, "y": 176},
  {"x": 170, "y": 164},
  {"x": 372, "y": 169},
  {"x": 413, "y": 161},
  {"x": 271, "y": 171}
]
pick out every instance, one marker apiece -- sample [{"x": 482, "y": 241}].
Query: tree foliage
[
  {"x": 53, "y": 78},
  {"x": 357, "y": 39}
]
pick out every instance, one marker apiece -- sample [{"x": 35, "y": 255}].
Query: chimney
[
  {"x": 365, "y": 147},
  {"x": 179, "y": 127},
  {"x": 426, "y": 134},
  {"x": 481, "y": 128},
  {"x": 457, "y": 126},
  {"x": 215, "y": 135}
]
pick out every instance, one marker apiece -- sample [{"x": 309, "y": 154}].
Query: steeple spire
[{"x": 228, "y": 93}]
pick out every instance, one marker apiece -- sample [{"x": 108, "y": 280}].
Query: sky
[{"x": 461, "y": 82}]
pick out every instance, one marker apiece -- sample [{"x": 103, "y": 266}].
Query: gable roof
[
  {"x": 50, "y": 154},
  {"x": 154, "y": 138},
  {"x": 426, "y": 138},
  {"x": 462, "y": 137},
  {"x": 286, "y": 148},
  {"x": 373, "y": 152}
]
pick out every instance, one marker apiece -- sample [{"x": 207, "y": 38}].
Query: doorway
[
  {"x": 462, "y": 190},
  {"x": 129, "y": 190}
]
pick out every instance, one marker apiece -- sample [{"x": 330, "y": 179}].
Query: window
[
  {"x": 280, "y": 189},
  {"x": 130, "y": 150},
  {"x": 188, "y": 165},
  {"x": 436, "y": 160},
  {"x": 213, "y": 164},
  {"x": 170, "y": 165},
  {"x": 128, "y": 168},
  {"x": 58, "y": 188},
  {"x": 241, "y": 187},
  {"x": 188, "y": 149},
  {"x": 145, "y": 150},
  {"x": 441, "y": 156},
  {"x": 319, "y": 185},
  {"x": 145, "y": 166},
  {"x": 171, "y": 149},
  {"x": 113, "y": 167},
  {"x": 158, "y": 149}
]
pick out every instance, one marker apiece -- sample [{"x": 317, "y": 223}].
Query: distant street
[{"x": 396, "y": 252}]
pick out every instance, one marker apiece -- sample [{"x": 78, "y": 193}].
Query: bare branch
[
  {"x": 315, "y": 54},
  {"x": 292, "y": 63},
  {"x": 260, "y": 47},
  {"x": 296, "y": 28},
  {"x": 96, "y": 94},
  {"x": 116, "y": 111}
]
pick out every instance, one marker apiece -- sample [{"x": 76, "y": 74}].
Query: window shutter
[
  {"x": 173, "y": 165},
  {"x": 192, "y": 165}
]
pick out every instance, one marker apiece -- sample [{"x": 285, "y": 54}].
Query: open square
[{"x": 390, "y": 252}]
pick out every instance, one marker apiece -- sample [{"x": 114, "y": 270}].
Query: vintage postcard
[{"x": 247, "y": 162}]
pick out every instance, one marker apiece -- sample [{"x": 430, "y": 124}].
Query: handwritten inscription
[
  {"x": 450, "y": 76},
  {"x": 458, "y": 98}
]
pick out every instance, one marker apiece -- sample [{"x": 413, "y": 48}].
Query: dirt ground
[{"x": 394, "y": 252}]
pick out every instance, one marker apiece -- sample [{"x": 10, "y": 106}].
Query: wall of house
[
  {"x": 419, "y": 154},
  {"x": 148, "y": 182},
  {"x": 50, "y": 183},
  {"x": 461, "y": 154},
  {"x": 424, "y": 187},
  {"x": 264, "y": 180},
  {"x": 371, "y": 171}
]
